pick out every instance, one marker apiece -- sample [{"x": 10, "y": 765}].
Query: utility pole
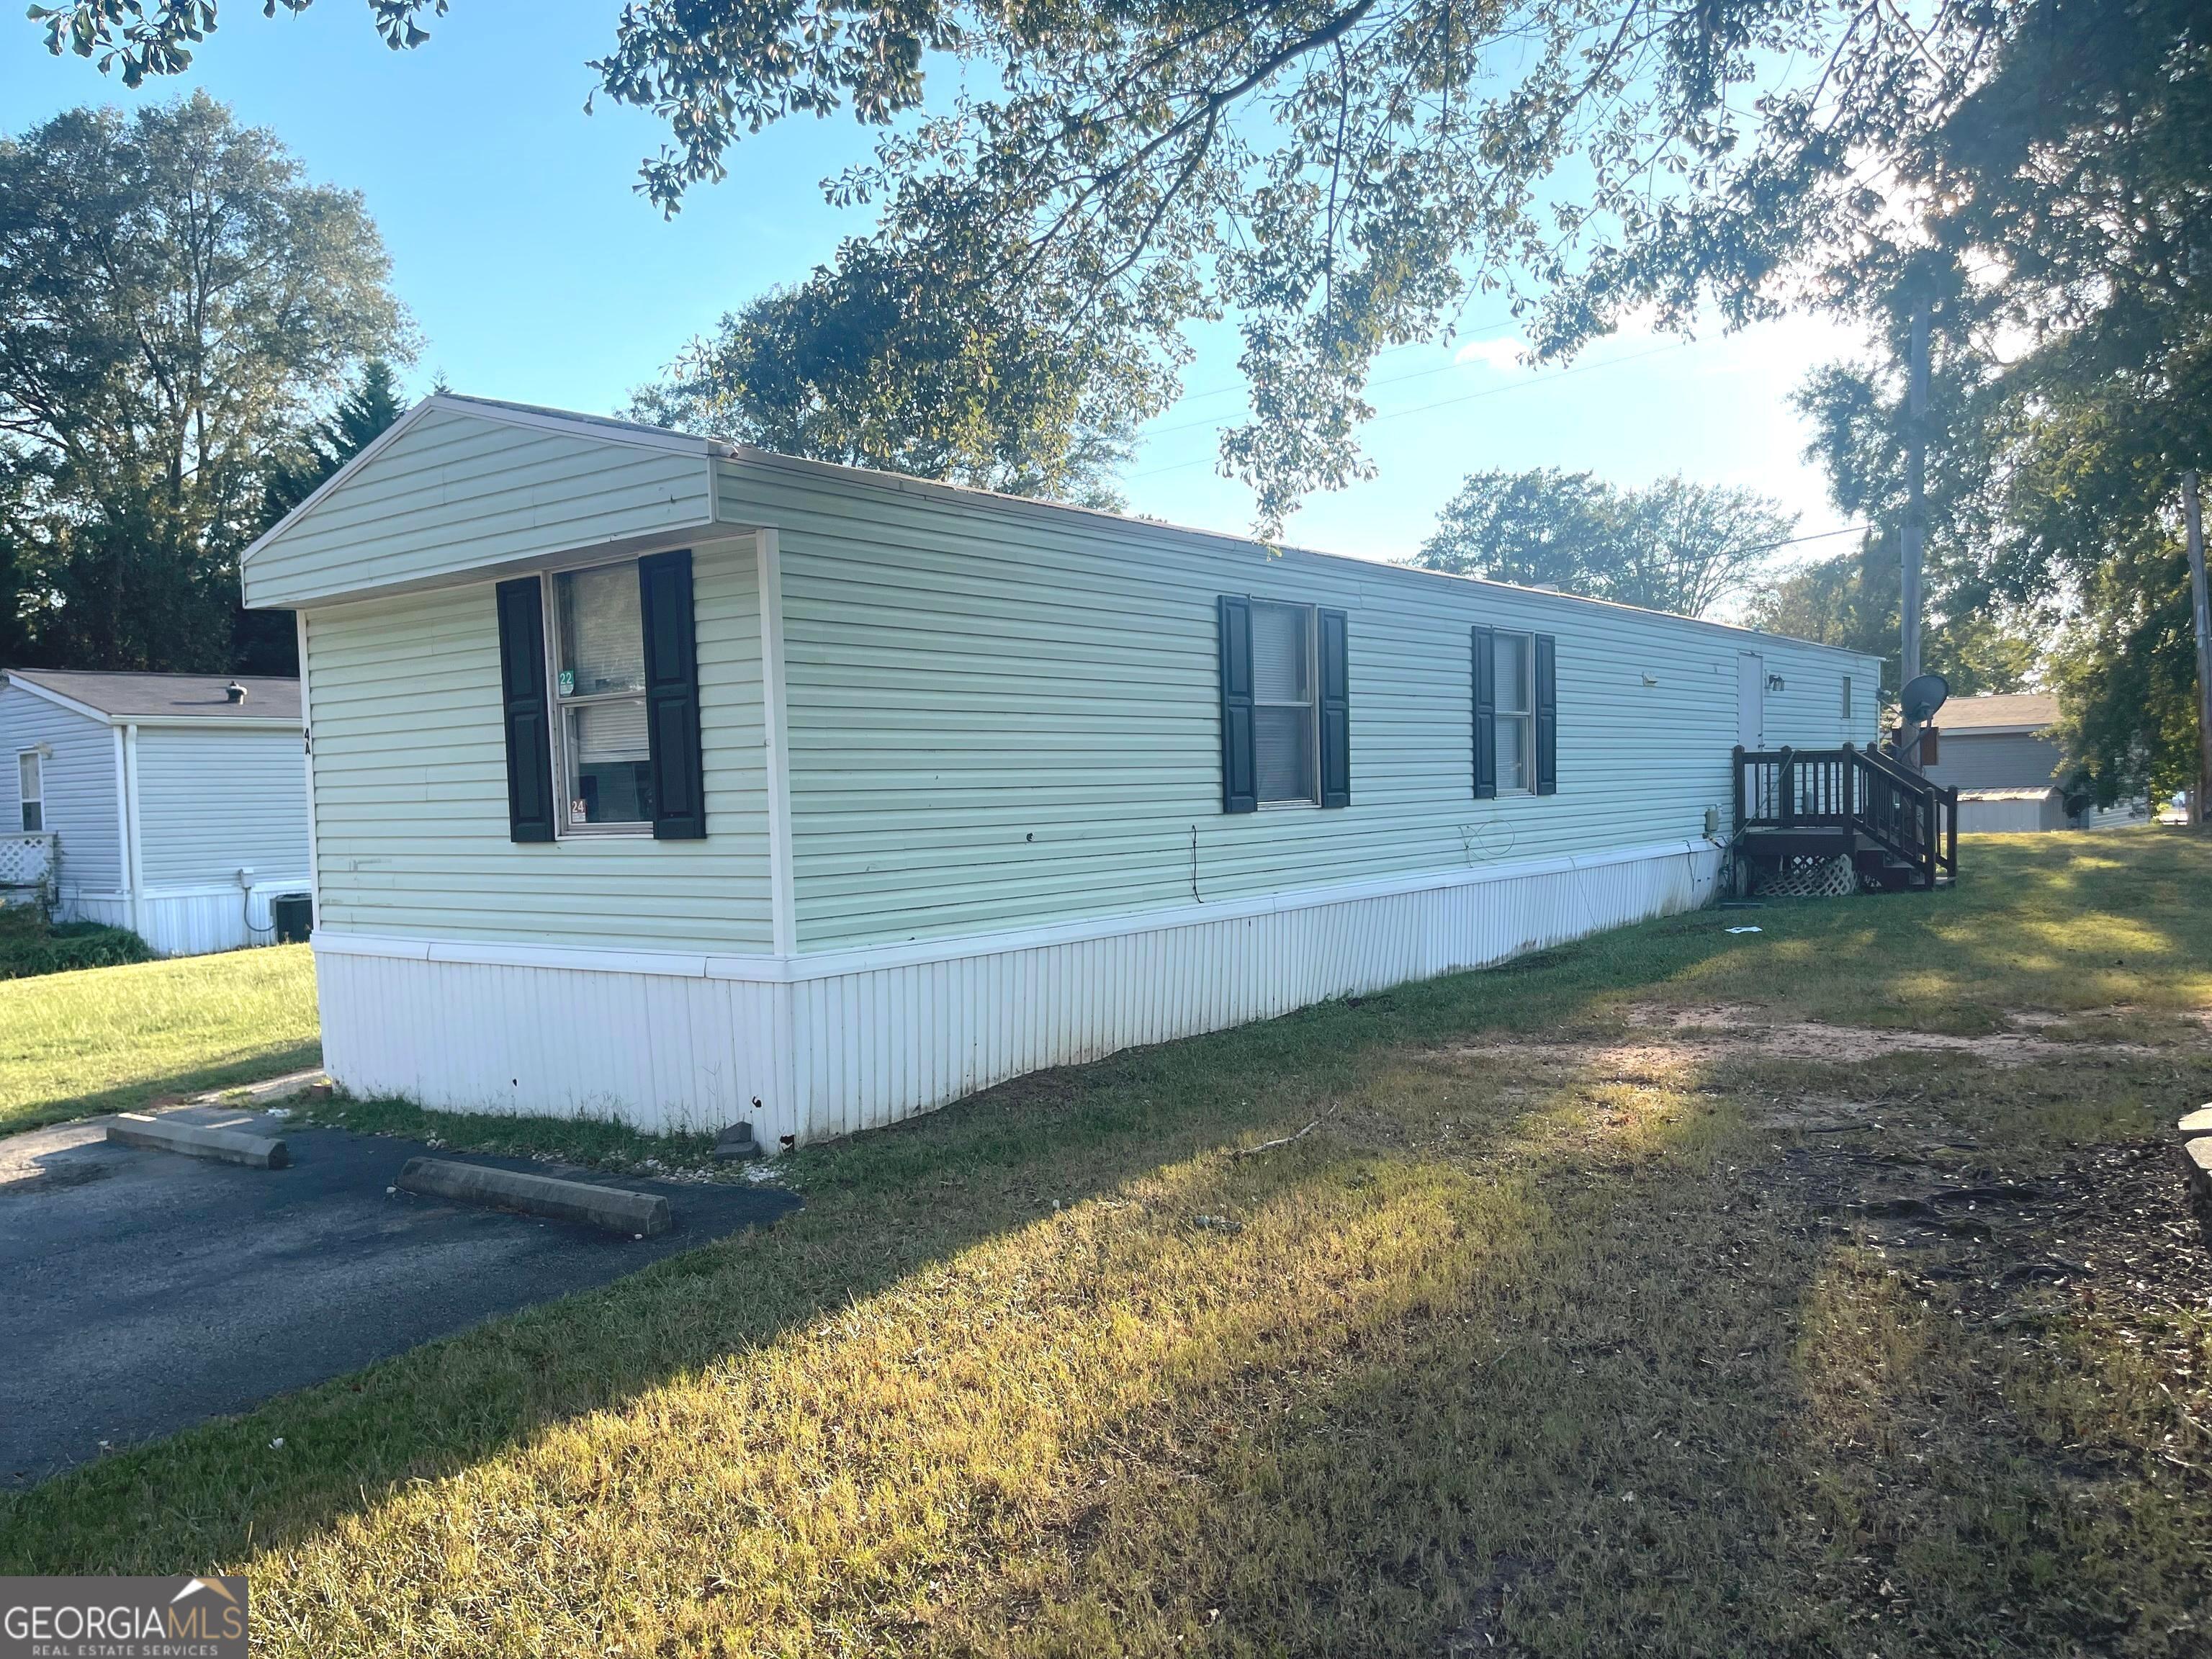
[
  {"x": 1916, "y": 526},
  {"x": 2200, "y": 611}
]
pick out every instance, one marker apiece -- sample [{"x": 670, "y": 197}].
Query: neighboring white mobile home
[
  {"x": 173, "y": 804},
  {"x": 2001, "y": 752},
  {"x": 659, "y": 778}
]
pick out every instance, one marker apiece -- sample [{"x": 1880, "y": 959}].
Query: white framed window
[
  {"x": 1513, "y": 690},
  {"x": 31, "y": 780},
  {"x": 1285, "y": 742},
  {"x": 1847, "y": 696},
  {"x": 595, "y": 652}
]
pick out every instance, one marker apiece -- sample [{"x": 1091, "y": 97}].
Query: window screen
[
  {"x": 1516, "y": 704},
  {"x": 31, "y": 774},
  {"x": 1283, "y": 703},
  {"x": 598, "y": 684}
]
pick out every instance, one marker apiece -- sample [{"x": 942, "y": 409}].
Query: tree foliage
[
  {"x": 176, "y": 304},
  {"x": 1851, "y": 600},
  {"x": 2054, "y": 223},
  {"x": 878, "y": 361},
  {"x": 1337, "y": 175},
  {"x": 1675, "y": 546}
]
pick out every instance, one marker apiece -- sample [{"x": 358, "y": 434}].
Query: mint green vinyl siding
[
  {"x": 80, "y": 788},
  {"x": 410, "y": 784},
  {"x": 211, "y": 802},
  {"x": 458, "y": 492},
  {"x": 1003, "y": 716}
]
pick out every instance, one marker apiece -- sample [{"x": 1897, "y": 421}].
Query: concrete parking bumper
[
  {"x": 643, "y": 1215},
  {"x": 161, "y": 1135}
]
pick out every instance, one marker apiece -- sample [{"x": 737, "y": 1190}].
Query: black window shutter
[
  {"x": 522, "y": 695},
  {"x": 1485, "y": 715},
  {"x": 1547, "y": 715},
  {"x": 671, "y": 696},
  {"x": 1240, "y": 787},
  {"x": 1335, "y": 713}
]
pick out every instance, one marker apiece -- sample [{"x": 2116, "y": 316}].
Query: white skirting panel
[
  {"x": 656, "y": 1050},
  {"x": 815, "y": 1047},
  {"x": 189, "y": 922}
]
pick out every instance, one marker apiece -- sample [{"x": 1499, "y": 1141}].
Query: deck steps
[{"x": 1898, "y": 829}]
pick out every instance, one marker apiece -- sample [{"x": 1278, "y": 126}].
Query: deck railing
[{"x": 1855, "y": 792}]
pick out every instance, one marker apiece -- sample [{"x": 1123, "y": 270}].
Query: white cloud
[{"x": 1500, "y": 355}]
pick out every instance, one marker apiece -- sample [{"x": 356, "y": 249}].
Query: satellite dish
[{"x": 1922, "y": 697}]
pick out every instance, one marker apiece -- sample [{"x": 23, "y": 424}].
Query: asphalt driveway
[{"x": 142, "y": 1292}]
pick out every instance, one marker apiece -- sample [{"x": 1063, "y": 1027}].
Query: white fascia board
[
  {"x": 62, "y": 702},
  {"x": 701, "y": 536},
  {"x": 197, "y": 722},
  {"x": 603, "y": 429},
  {"x": 210, "y": 722},
  {"x": 773, "y": 969}
]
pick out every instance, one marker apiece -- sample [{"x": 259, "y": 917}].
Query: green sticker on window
[{"x": 568, "y": 682}]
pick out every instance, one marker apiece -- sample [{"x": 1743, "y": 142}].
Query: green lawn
[
  {"x": 1823, "y": 1291},
  {"x": 103, "y": 1039}
]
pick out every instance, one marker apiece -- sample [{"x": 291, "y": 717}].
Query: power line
[
  {"x": 1446, "y": 403},
  {"x": 1817, "y": 536}
]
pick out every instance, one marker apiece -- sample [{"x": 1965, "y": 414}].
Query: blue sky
[{"x": 534, "y": 270}]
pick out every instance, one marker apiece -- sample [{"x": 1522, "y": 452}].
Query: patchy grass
[
  {"x": 591, "y": 1142},
  {"x": 1605, "y": 1312},
  {"x": 106, "y": 1039}
]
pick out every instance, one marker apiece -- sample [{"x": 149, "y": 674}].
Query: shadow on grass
[
  {"x": 879, "y": 1208},
  {"x": 255, "y": 1066},
  {"x": 1511, "y": 1367}
]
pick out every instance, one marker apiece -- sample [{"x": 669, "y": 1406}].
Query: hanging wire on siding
[{"x": 245, "y": 914}]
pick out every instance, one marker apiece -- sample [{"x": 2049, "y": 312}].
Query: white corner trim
[
  {"x": 783, "y": 902},
  {"x": 307, "y": 760},
  {"x": 786, "y": 968},
  {"x": 134, "y": 869},
  {"x": 124, "y": 888}
]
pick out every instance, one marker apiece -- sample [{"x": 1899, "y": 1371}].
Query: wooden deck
[{"x": 1900, "y": 830}]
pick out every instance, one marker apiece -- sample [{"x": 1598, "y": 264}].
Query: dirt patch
[
  {"x": 1483, "y": 1632},
  {"x": 1697, "y": 1035}
]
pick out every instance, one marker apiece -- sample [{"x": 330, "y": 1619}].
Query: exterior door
[{"x": 1751, "y": 700}]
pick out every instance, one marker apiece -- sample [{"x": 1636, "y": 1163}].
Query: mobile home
[
  {"x": 2001, "y": 752},
  {"x": 657, "y": 777},
  {"x": 173, "y": 804}
]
